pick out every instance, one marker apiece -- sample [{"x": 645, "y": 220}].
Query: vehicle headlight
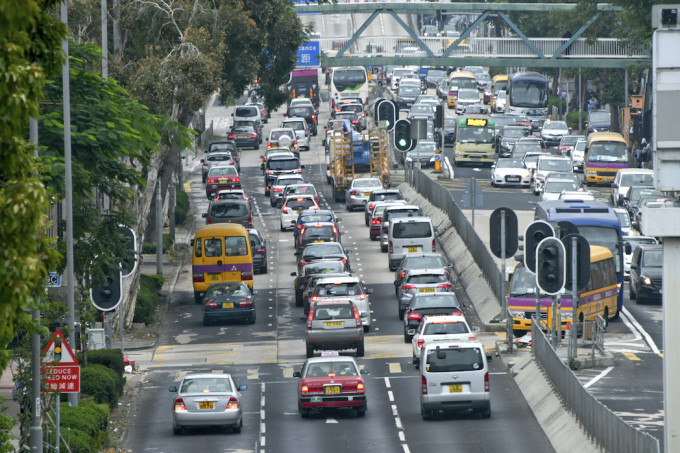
[
  {"x": 646, "y": 280},
  {"x": 526, "y": 175},
  {"x": 518, "y": 314},
  {"x": 432, "y": 159},
  {"x": 409, "y": 159},
  {"x": 591, "y": 173}
]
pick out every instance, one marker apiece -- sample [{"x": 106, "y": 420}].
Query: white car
[
  {"x": 624, "y": 219},
  {"x": 292, "y": 206},
  {"x": 553, "y": 132},
  {"x": 510, "y": 172},
  {"x": 576, "y": 195},
  {"x": 439, "y": 328},
  {"x": 299, "y": 125},
  {"x": 359, "y": 190},
  {"x": 466, "y": 96},
  {"x": 554, "y": 187},
  {"x": 548, "y": 163},
  {"x": 627, "y": 177},
  {"x": 578, "y": 155},
  {"x": 276, "y": 189},
  {"x": 501, "y": 99}
]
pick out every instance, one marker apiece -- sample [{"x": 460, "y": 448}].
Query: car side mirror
[
  {"x": 297, "y": 374},
  {"x": 173, "y": 389},
  {"x": 364, "y": 314},
  {"x": 369, "y": 291},
  {"x": 476, "y": 329},
  {"x": 296, "y": 254},
  {"x": 411, "y": 332},
  {"x": 634, "y": 224},
  {"x": 615, "y": 186},
  {"x": 363, "y": 371},
  {"x": 266, "y": 241},
  {"x": 627, "y": 248},
  {"x": 204, "y": 215},
  {"x": 302, "y": 167},
  {"x": 192, "y": 242},
  {"x": 293, "y": 274},
  {"x": 634, "y": 266},
  {"x": 489, "y": 357},
  {"x": 255, "y": 292},
  {"x": 348, "y": 252},
  {"x": 242, "y": 387},
  {"x": 338, "y": 219},
  {"x": 202, "y": 160}
]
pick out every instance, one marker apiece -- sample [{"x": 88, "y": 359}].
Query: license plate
[
  {"x": 224, "y": 180},
  {"x": 214, "y": 276},
  {"x": 513, "y": 179},
  {"x": 206, "y": 405},
  {"x": 316, "y": 399},
  {"x": 242, "y": 136},
  {"x": 475, "y": 158},
  {"x": 319, "y": 240},
  {"x": 333, "y": 323},
  {"x": 455, "y": 388},
  {"x": 227, "y": 305},
  {"x": 413, "y": 249},
  {"x": 425, "y": 290},
  {"x": 332, "y": 389},
  {"x": 367, "y": 194}
]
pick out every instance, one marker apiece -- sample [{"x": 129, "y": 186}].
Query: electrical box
[{"x": 95, "y": 339}]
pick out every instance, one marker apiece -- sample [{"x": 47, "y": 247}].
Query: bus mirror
[{"x": 627, "y": 248}]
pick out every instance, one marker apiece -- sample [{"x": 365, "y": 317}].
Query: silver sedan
[{"x": 207, "y": 400}]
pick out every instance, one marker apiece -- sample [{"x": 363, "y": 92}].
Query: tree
[{"x": 30, "y": 50}]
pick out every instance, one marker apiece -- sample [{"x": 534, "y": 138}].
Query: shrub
[
  {"x": 111, "y": 358},
  {"x": 182, "y": 207},
  {"x": 147, "y": 298},
  {"x": 101, "y": 383},
  {"x": 149, "y": 249},
  {"x": 572, "y": 120},
  {"x": 79, "y": 442},
  {"x": 87, "y": 422}
]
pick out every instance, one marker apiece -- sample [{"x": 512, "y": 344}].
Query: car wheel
[
  {"x": 283, "y": 228},
  {"x": 263, "y": 269},
  {"x": 176, "y": 430},
  {"x": 361, "y": 412},
  {"x": 427, "y": 415},
  {"x": 631, "y": 293},
  {"x": 367, "y": 329},
  {"x": 198, "y": 299},
  {"x": 360, "y": 350},
  {"x": 204, "y": 178},
  {"x": 252, "y": 319},
  {"x": 304, "y": 413},
  {"x": 298, "y": 299},
  {"x": 272, "y": 203},
  {"x": 383, "y": 248},
  {"x": 366, "y": 219},
  {"x": 493, "y": 184},
  {"x": 401, "y": 314},
  {"x": 237, "y": 429},
  {"x": 416, "y": 362},
  {"x": 486, "y": 413},
  {"x": 348, "y": 206},
  {"x": 310, "y": 352}
]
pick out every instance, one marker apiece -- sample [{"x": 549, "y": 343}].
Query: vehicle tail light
[
  {"x": 269, "y": 172},
  {"x": 414, "y": 316},
  {"x": 423, "y": 382},
  {"x": 252, "y": 135},
  {"x": 199, "y": 277},
  {"x": 407, "y": 287},
  {"x": 246, "y": 275},
  {"x": 303, "y": 262},
  {"x": 354, "y": 193},
  {"x": 302, "y": 231},
  {"x": 299, "y": 227},
  {"x": 344, "y": 260},
  {"x": 314, "y": 298},
  {"x": 298, "y": 170},
  {"x": 360, "y": 386},
  {"x": 486, "y": 382},
  {"x": 362, "y": 296},
  {"x": 304, "y": 389},
  {"x": 421, "y": 342},
  {"x": 472, "y": 338},
  {"x": 269, "y": 145},
  {"x": 357, "y": 316},
  {"x": 180, "y": 406},
  {"x": 370, "y": 206},
  {"x": 444, "y": 285},
  {"x": 232, "y": 136},
  {"x": 434, "y": 246},
  {"x": 250, "y": 221},
  {"x": 366, "y": 101},
  {"x": 284, "y": 209},
  {"x": 457, "y": 313},
  {"x": 295, "y": 143},
  {"x": 335, "y": 231},
  {"x": 376, "y": 221},
  {"x": 310, "y": 317},
  {"x": 233, "y": 403},
  {"x": 245, "y": 303},
  {"x": 210, "y": 304},
  {"x": 277, "y": 189},
  {"x": 390, "y": 247},
  {"x": 402, "y": 274}
]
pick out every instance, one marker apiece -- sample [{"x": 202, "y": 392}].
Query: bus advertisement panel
[
  {"x": 606, "y": 153},
  {"x": 599, "y": 297},
  {"x": 527, "y": 91},
  {"x": 475, "y": 140},
  {"x": 349, "y": 82},
  {"x": 595, "y": 221},
  {"x": 458, "y": 80}
]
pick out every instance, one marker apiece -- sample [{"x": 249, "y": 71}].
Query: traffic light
[
  {"x": 129, "y": 263},
  {"x": 534, "y": 234},
  {"x": 107, "y": 295},
  {"x": 387, "y": 112},
  {"x": 439, "y": 117},
  {"x": 582, "y": 260},
  {"x": 402, "y": 135},
  {"x": 550, "y": 265},
  {"x": 510, "y": 235}
]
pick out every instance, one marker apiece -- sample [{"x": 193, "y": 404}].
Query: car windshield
[
  {"x": 599, "y": 117},
  {"x": 554, "y": 165},
  {"x": 386, "y": 196},
  {"x": 245, "y": 111},
  {"x": 570, "y": 140},
  {"x": 652, "y": 258},
  {"x": 287, "y": 181},
  {"x": 454, "y": 359},
  {"x": 228, "y": 210},
  {"x": 555, "y": 125},
  {"x": 475, "y": 135},
  {"x": 300, "y": 203},
  {"x": 440, "y": 300},
  {"x": 531, "y": 159},
  {"x": 635, "y": 241},
  {"x": 407, "y": 230},
  {"x": 637, "y": 179},
  {"x": 328, "y": 312},
  {"x": 318, "y": 231},
  {"x": 339, "y": 289},
  {"x": 427, "y": 148},
  {"x": 276, "y": 135},
  {"x": 367, "y": 183},
  {"x": 223, "y": 171},
  {"x": 422, "y": 262},
  {"x": 408, "y": 90},
  {"x": 328, "y": 248},
  {"x": 449, "y": 122},
  {"x": 422, "y": 109},
  {"x": 508, "y": 163},
  {"x": 214, "y": 147},
  {"x": 206, "y": 385},
  {"x": 300, "y": 111},
  {"x": 316, "y": 217},
  {"x": 283, "y": 164},
  {"x": 638, "y": 192},
  {"x": 615, "y": 152},
  {"x": 624, "y": 218},
  {"x": 324, "y": 369},
  {"x": 559, "y": 186},
  {"x": 465, "y": 95},
  {"x": 218, "y": 157},
  {"x": 227, "y": 290},
  {"x": 445, "y": 328},
  {"x": 426, "y": 279},
  {"x": 296, "y": 125},
  {"x": 296, "y": 189}
]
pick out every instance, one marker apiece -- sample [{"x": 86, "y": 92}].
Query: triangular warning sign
[{"x": 58, "y": 352}]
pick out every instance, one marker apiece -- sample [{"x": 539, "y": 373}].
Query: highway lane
[{"x": 264, "y": 356}]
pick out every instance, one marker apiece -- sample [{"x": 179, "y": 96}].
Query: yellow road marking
[
  {"x": 187, "y": 186},
  {"x": 631, "y": 356},
  {"x": 287, "y": 372},
  {"x": 661, "y": 355},
  {"x": 253, "y": 373},
  {"x": 395, "y": 367}
]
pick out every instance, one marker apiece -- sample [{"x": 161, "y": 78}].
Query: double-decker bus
[
  {"x": 349, "y": 82},
  {"x": 599, "y": 297},
  {"x": 458, "y": 80},
  {"x": 527, "y": 91},
  {"x": 475, "y": 141},
  {"x": 595, "y": 221},
  {"x": 605, "y": 154}
]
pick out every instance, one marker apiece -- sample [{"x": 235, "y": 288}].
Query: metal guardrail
[
  {"x": 509, "y": 47},
  {"x": 603, "y": 426},
  {"x": 442, "y": 198}
]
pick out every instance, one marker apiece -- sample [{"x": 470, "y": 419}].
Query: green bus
[{"x": 475, "y": 140}]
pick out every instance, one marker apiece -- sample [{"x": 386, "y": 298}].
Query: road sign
[
  {"x": 308, "y": 55},
  {"x": 437, "y": 157},
  {"x": 510, "y": 234},
  {"x": 64, "y": 379},
  {"x": 58, "y": 352},
  {"x": 473, "y": 193},
  {"x": 53, "y": 280}
]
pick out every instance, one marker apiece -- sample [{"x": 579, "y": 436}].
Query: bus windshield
[
  {"x": 529, "y": 93},
  {"x": 348, "y": 78},
  {"x": 462, "y": 82},
  {"x": 475, "y": 135},
  {"x": 605, "y": 237},
  {"x": 608, "y": 152}
]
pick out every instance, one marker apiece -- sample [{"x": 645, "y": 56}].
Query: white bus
[{"x": 349, "y": 82}]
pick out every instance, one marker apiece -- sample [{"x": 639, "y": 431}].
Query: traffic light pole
[
  {"x": 504, "y": 301},
  {"x": 573, "y": 346},
  {"x": 554, "y": 329}
]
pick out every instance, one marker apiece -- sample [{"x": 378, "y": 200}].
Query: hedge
[
  {"x": 149, "y": 249},
  {"x": 101, "y": 383},
  {"x": 147, "y": 298},
  {"x": 111, "y": 358},
  {"x": 87, "y": 422},
  {"x": 182, "y": 207}
]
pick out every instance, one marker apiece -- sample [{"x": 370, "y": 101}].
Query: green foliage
[
  {"x": 572, "y": 120},
  {"x": 182, "y": 207},
  {"x": 30, "y": 41},
  {"x": 88, "y": 423},
  {"x": 6, "y": 424},
  {"x": 574, "y": 364},
  {"x": 111, "y": 358},
  {"x": 101, "y": 383},
  {"x": 151, "y": 248},
  {"x": 147, "y": 298}
]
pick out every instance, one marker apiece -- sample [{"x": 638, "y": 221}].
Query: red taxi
[
  {"x": 331, "y": 381},
  {"x": 221, "y": 177}
]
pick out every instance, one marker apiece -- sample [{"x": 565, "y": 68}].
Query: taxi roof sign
[{"x": 58, "y": 352}]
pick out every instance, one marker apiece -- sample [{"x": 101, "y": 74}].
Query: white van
[
  {"x": 409, "y": 235},
  {"x": 455, "y": 377},
  {"x": 247, "y": 113}
]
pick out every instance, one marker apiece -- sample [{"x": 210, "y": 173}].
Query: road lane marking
[
  {"x": 598, "y": 377},
  {"x": 395, "y": 367},
  {"x": 263, "y": 427},
  {"x": 387, "y": 383},
  {"x": 631, "y": 356},
  {"x": 187, "y": 186},
  {"x": 631, "y": 319},
  {"x": 253, "y": 374},
  {"x": 287, "y": 372},
  {"x": 390, "y": 395}
]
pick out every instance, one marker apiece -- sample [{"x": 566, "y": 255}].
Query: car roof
[
  {"x": 645, "y": 247},
  {"x": 447, "y": 318},
  {"x": 348, "y": 279},
  {"x": 206, "y": 375},
  {"x": 454, "y": 344},
  {"x": 412, "y": 219},
  {"x": 404, "y": 207},
  {"x": 339, "y": 358}
]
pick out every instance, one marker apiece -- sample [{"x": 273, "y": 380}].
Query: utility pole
[{"x": 68, "y": 183}]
